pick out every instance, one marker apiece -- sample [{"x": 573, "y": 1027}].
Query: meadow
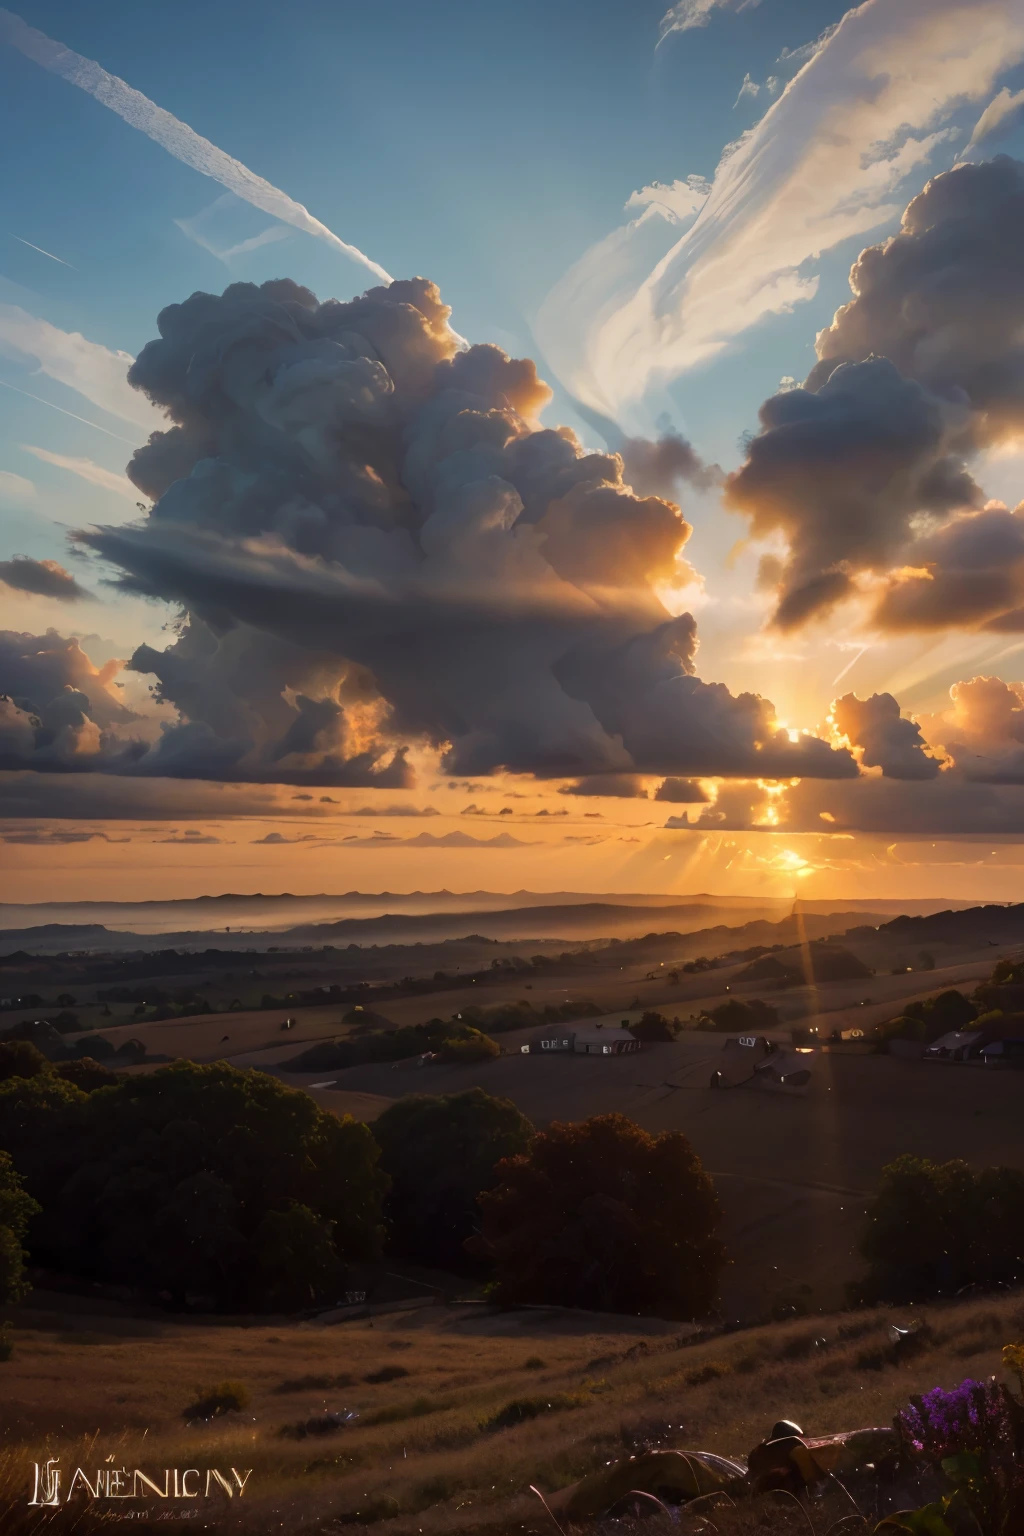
[{"x": 457, "y": 1410}]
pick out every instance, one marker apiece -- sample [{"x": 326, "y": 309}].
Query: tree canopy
[
  {"x": 169, "y": 1181},
  {"x": 16, "y": 1211},
  {"x": 934, "y": 1228},
  {"x": 600, "y": 1214},
  {"x": 441, "y": 1152}
]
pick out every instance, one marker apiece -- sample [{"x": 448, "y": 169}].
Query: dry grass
[{"x": 485, "y": 1418}]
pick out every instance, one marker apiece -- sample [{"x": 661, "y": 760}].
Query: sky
[{"x": 593, "y": 465}]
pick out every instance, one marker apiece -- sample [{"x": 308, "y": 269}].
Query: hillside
[{"x": 433, "y": 1447}]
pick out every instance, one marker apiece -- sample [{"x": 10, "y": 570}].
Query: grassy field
[{"x": 458, "y": 1409}]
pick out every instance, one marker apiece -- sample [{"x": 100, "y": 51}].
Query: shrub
[
  {"x": 386, "y": 1373},
  {"x": 470, "y": 1048},
  {"x": 653, "y": 1027},
  {"x": 313, "y": 1384},
  {"x": 440, "y": 1152},
  {"x": 603, "y": 1215},
  {"x": 521, "y": 1409},
  {"x": 214, "y": 1402},
  {"x": 711, "y": 1370}
]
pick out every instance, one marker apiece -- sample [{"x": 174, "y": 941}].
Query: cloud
[
  {"x": 429, "y": 840},
  {"x": 686, "y": 14},
  {"x": 1003, "y": 115},
  {"x": 278, "y": 838},
  {"x": 39, "y": 837},
  {"x": 983, "y": 732},
  {"x": 967, "y": 575},
  {"x": 823, "y": 165},
  {"x": 191, "y": 839},
  {"x": 620, "y": 786},
  {"x": 884, "y": 738},
  {"x": 43, "y": 577},
  {"x": 101, "y": 796},
  {"x": 92, "y": 370},
  {"x": 86, "y": 470},
  {"x": 682, "y": 792},
  {"x": 379, "y": 547},
  {"x": 944, "y": 299},
  {"x": 678, "y": 200},
  {"x": 391, "y": 810},
  {"x": 842, "y": 473},
  {"x": 946, "y": 804},
  {"x": 176, "y": 137},
  {"x": 737, "y": 807},
  {"x": 57, "y": 714},
  {"x": 16, "y": 493}
]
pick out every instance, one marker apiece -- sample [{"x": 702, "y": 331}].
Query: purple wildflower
[{"x": 982, "y": 1423}]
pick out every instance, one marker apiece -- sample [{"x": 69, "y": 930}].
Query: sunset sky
[{"x": 524, "y": 516}]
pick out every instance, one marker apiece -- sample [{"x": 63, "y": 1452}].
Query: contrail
[
  {"x": 44, "y": 253},
  {"x": 133, "y": 442},
  {"x": 174, "y": 136}
]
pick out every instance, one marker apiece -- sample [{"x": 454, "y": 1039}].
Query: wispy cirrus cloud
[
  {"x": 826, "y": 163},
  {"x": 171, "y": 134},
  {"x": 85, "y": 469},
  {"x": 687, "y": 14},
  {"x": 90, "y": 369}
]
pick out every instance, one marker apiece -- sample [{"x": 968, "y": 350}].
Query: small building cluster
[{"x": 585, "y": 1038}]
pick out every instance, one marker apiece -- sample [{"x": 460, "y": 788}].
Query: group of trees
[
  {"x": 930, "y": 1018},
  {"x": 193, "y": 1181},
  {"x": 214, "y": 1186},
  {"x": 935, "y": 1228},
  {"x": 736, "y": 1016}
]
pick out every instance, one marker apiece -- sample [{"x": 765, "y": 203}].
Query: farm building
[{"x": 584, "y": 1038}]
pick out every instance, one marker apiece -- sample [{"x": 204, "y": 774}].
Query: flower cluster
[
  {"x": 941, "y": 1424},
  {"x": 975, "y": 1433}
]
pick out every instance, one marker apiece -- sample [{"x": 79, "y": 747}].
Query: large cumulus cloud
[
  {"x": 862, "y": 471},
  {"x": 374, "y": 540},
  {"x": 944, "y": 299},
  {"x": 60, "y": 714}
]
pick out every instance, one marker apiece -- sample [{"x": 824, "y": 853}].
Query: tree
[
  {"x": 16, "y": 1211},
  {"x": 19, "y": 1058},
  {"x": 163, "y": 1182},
  {"x": 652, "y": 1028},
  {"x": 297, "y": 1258},
  {"x": 934, "y": 1228},
  {"x": 441, "y": 1152},
  {"x": 602, "y": 1215},
  {"x": 735, "y": 1017}
]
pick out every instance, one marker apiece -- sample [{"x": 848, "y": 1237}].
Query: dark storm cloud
[
  {"x": 45, "y": 578},
  {"x": 948, "y": 803},
  {"x": 967, "y": 575},
  {"x": 619, "y": 786},
  {"x": 101, "y": 796},
  {"x": 841, "y": 472},
  {"x": 886, "y": 739},
  {"x": 682, "y": 792},
  {"x": 377, "y": 546}
]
